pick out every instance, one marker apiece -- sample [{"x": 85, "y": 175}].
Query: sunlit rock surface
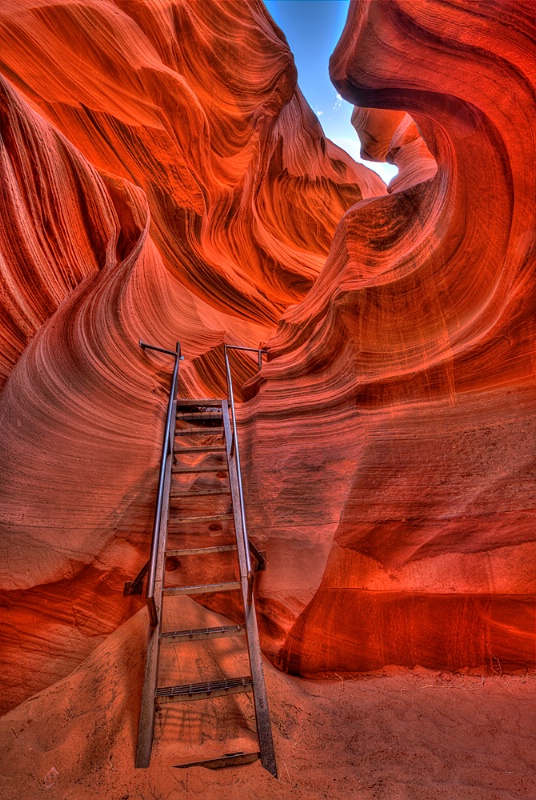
[
  {"x": 163, "y": 177},
  {"x": 393, "y": 136},
  {"x": 393, "y": 432}
]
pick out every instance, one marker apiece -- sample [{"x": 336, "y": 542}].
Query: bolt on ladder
[{"x": 195, "y": 421}]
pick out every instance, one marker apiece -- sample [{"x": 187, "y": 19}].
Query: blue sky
[{"x": 312, "y": 28}]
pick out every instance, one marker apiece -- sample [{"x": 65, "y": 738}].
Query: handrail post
[
  {"x": 167, "y": 449},
  {"x": 236, "y": 451}
]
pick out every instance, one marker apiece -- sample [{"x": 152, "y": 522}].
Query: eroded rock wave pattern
[
  {"x": 410, "y": 365},
  {"x": 163, "y": 178}
]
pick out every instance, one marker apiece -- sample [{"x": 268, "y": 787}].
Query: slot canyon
[{"x": 164, "y": 178}]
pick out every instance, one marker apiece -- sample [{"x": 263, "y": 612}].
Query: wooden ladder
[{"x": 202, "y": 427}]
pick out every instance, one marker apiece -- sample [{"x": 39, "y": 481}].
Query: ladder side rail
[
  {"x": 235, "y": 446},
  {"x": 234, "y": 452},
  {"x": 152, "y": 658},
  {"x": 244, "y": 560},
  {"x": 156, "y": 570},
  {"x": 260, "y": 699},
  {"x": 165, "y": 466}
]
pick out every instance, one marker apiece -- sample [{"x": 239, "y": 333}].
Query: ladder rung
[
  {"x": 196, "y": 415},
  {"x": 202, "y": 493},
  {"x": 195, "y": 551},
  {"x": 200, "y": 691},
  {"x": 209, "y": 588},
  {"x": 209, "y": 518},
  {"x": 214, "y": 429},
  {"x": 204, "y": 401},
  {"x": 228, "y": 760},
  {"x": 184, "y": 470},
  {"x": 202, "y": 633},
  {"x": 209, "y": 448}
]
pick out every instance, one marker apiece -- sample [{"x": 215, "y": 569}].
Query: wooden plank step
[
  {"x": 196, "y": 416},
  {"x": 201, "y": 691},
  {"x": 227, "y": 760},
  {"x": 203, "y": 401},
  {"x": 214, "y": 429},
  {"x": 202, "y": 633},
  {"x": 201, "y": 493},
  {"x": 189, "y": 470},
  {"x": 209, "y": 518},
  {"x": 209, "y": 448},
  {"x": 198, "y": 551},
  {"x": 209, "y": 588}
]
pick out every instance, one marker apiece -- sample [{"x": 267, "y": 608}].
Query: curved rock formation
[
  {"x": 393, "y": 136},
  {"x": 402, "y": 386},
  {"x": 198, "y": 105},
  {"x": 162, "y": 177}
]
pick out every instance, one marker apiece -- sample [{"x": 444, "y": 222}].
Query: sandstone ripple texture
[{"x": 162, "y": 176}]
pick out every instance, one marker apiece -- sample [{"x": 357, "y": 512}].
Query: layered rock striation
[
  {"x": 403, "y": 386},
  {"x": 164, "y": 178}
]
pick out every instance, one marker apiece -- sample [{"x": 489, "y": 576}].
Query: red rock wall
[
  {"x": 162, "y": 177},
  {"x": 402, "y": 500}
]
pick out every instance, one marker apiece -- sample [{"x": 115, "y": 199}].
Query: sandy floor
[{"x": 400, "y": 735}]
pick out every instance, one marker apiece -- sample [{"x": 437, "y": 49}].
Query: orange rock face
[
  {"x": 163, "y": 177},
  {"x": 173, "y": 185},
  {"x": 403, "y": 384}
]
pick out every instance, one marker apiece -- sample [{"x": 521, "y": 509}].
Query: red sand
[{"x": 395, "y": 735}]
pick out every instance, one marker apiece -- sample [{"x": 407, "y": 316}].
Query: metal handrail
[
  {"x": 135, "y": 587},
  {"x": 165, "y": 462},
  {"x": 236, "y": 450}
]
